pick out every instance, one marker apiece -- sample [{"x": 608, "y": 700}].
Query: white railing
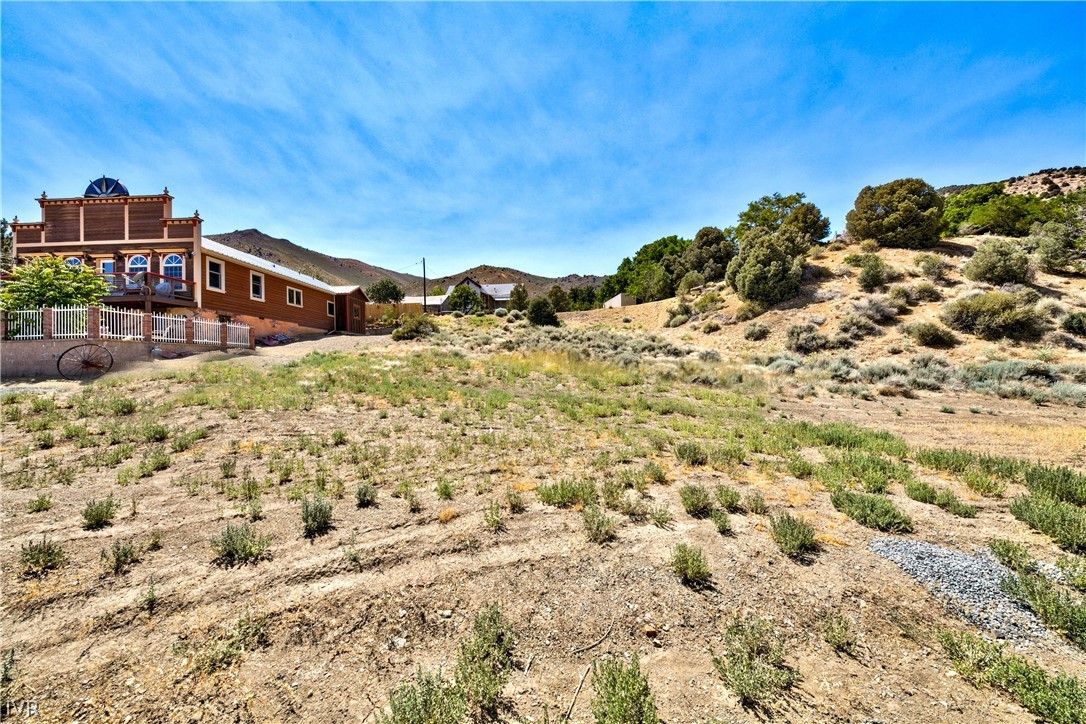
[
  {"x": 167, "y": 327},
  {"x": 121, "y": 324},
  {"x": 116, "y": 323},
  {"x": 237, "y": 334},
  {"x": 25, "y": 324},
  {"x": 206, "y": 331},
  {"x": 69, "y": 322}
]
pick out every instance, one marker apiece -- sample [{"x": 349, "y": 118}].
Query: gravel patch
[{"x": 968, "y": 586}]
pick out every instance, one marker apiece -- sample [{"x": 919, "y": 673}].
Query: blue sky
[{"x": 553, "y": 138}]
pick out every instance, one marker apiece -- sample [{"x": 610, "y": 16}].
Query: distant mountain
[
  {"x": 1045, "y": 183},
  {"x": 486, "y": 274},
  {"x": 339, "y": 270},
  {"x": 329, "y": 269}
]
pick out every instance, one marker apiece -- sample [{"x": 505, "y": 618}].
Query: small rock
[{"x": 649, "y": 631}]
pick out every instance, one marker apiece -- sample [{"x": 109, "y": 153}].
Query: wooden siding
[
  {"x": 180, "y": 231},
  {"x": 28, "y": 236},
  {"x": 108, "y": 249},
  {"x": 235, "y": 300},
  {"x": 61, "y": 222},
  {"x": 102, "y": 222},
  {"x": 145, "y": 219}
]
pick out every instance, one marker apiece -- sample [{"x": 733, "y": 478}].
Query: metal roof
[{"x": 230, "y": 252}]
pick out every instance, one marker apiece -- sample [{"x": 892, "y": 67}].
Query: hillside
[
  {"x": 536, "y": 285},
  {"x": 330, "y": 269},
  {"x": 1046, "y": 182}
]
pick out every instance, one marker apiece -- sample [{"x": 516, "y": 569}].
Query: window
[
  {"x": 357, "y": 311},
  {"x": 137, "y": 264},
  {"x": 294, "y": 297},
  {"x": 216, "y": 275},
  {"x": 173, "y": 266},
  {"x": 107, "y": 266},
  {"x": 331, "y": 309},
  {"x": 256, "y": 286},
  {"x": 73, "y": 261}
]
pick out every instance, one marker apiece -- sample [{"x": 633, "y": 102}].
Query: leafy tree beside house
[
  {"x": 385, "y": 291},
  {"x": 906, "y": 214},
  {"x": 7, "y": 242},
  {"x": 47, "y": 281},
  {"x": 464, "y": 299},
  {"x": 541, "y": 313},
  {"x": 518, "y": 298},
  {"x": 558, "y": 298}
]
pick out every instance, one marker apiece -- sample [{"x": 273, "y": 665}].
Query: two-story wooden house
[{"x": 159, "y": 261}]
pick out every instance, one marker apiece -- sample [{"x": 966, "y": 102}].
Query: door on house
[{"x": 357, "y": 323}]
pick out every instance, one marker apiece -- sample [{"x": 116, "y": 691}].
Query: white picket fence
[
  {"x": 25, "y": 324},
  {"x": 69, "y": 322},
  {"x": 206, "y": 331},
  {"x": 121, "y": 323},
  {"x": 114, "y": 323}
]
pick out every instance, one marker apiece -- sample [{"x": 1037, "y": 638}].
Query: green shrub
[
  {"x": 950, "y": 503},
  {"x": 36, "y": 558},
  {"x": 541, "y": 313},
  {"x": 691, "y": 453},
  {"x": 485, "y": 660},
  {"x": 598, "y": 526},
  {"x": 661, "y": 516},
  {"x": 998, "y": 262},
  {"x": 756, "y": 331},
  {"x": 696, "y": 500},
  {"x": 99, "y": 513},
  {"x": 120, "y": 556},
  {"x": 906, "y": 213},
  {"x": 1075, "y": 323},
  {"x": 567, "y": 492},
  {"x": 429, "y": 699},
  {"x": 931, "y": 266},
  {"x": 992, "y": 315},
  {"x": 753, "y": 662},
  {"x": 316, "y": 515},
  {"x": 1063, "y": 522},
  {"x": 805, "y": 339},
  {"x": 755, "y": 503},
  {"x": 835, "y": 632},
  {"x": 728, "y": 498},
  {"x": 874, "y": 274},
  {"x": 1056, "y": 607},
  {"x": 722, "y": 522},
  {"x": 1073, "y": 569},
  {"x": 767, "y": 269},
  {"x": 238, "y": 544},
  {"x": 414, "y": 326},
  {"x": 794, "y": 536},
  {"x": 365, "y": 495},
  {"x": 1060, "y": 699},
  {"x": 929, "y": 334},
  {"x": 983, "y": 484},
  {"x": 856, "y": 327},
  {"x": 40, "y": 504},
  {"x": 690, "y": 566},
  {"x": 872, "y": 511},
  {"x": 1012, "y": 555},
  {"x": 621, "y": 693}
]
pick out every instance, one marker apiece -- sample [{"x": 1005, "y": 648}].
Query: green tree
[
  {"x": 906, "y": 213},
  {"x": 776, "y": 211},
  {"x": 518, "y": 298},
  {"x": 465, "y": 299},
  {"x": 1013, "y": 215},
  {"x": 385, "y": 291},
  {"x": 47, "y": 281},
  {"x": 959, "y": 206},
  {"x": 710, "y": 252},
  {"x": 998, "y": 261},
  {"x": 558, "y": 298},
  {"x": 766, "y": 269},
  {"x": 437, "y": 290},
  {"x": 541, "y": 313},
  {"x": 582, "y": 298},
  {"x": 7, "y": 243}
]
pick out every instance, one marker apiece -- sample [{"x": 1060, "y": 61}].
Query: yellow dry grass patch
[
  {"x": 448, "y": 514},
  {"x": 523, "y": 486},
  {"x": 1067, "y": 439}
]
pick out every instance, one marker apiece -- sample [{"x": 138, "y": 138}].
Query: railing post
[
  {"x": 3, "y": 324},
  {"x": 148, "y": 327},
  {"x": 47, "y": 323},
  {"x": 252, "y": 339},
  {"x": 224, "y": 335},
  {"x": 94, "y": 322},
  {"x": 190, "y": 330}
]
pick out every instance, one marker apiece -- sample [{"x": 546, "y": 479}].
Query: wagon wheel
[{"x": 84, "y": 362}]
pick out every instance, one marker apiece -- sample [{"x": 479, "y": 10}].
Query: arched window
[
  {"x": 73, "y": 261},
  {"x": 174, "y": 266},
  {"x": 138, "y": 264}
]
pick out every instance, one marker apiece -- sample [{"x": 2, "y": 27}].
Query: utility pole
[{"x": 424, "y": 285}]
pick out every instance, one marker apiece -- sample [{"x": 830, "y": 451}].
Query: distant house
[
  {"x": 619, "y": 300},
  {"x": 160, "y": 262},
  {"x": 491, "y": 295}
]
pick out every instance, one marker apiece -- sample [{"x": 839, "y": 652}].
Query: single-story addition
[
  {"x": 619, "y": 300},
  {"x": 491, "y": 295},
  {"x": 154, "y": 260}
]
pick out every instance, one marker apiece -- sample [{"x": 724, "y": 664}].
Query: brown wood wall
[
  {"x": 236, "y": 298},
  {"x": 29, "y": 236},
  {"x": 103, "y": 222},
  {"x": 61, "y": 222},
  {"x": 180, "y": 231},
  {"x": 145, "y": 219}
]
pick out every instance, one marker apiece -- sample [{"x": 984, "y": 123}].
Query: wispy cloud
[{"x": 556, "y": 138}]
